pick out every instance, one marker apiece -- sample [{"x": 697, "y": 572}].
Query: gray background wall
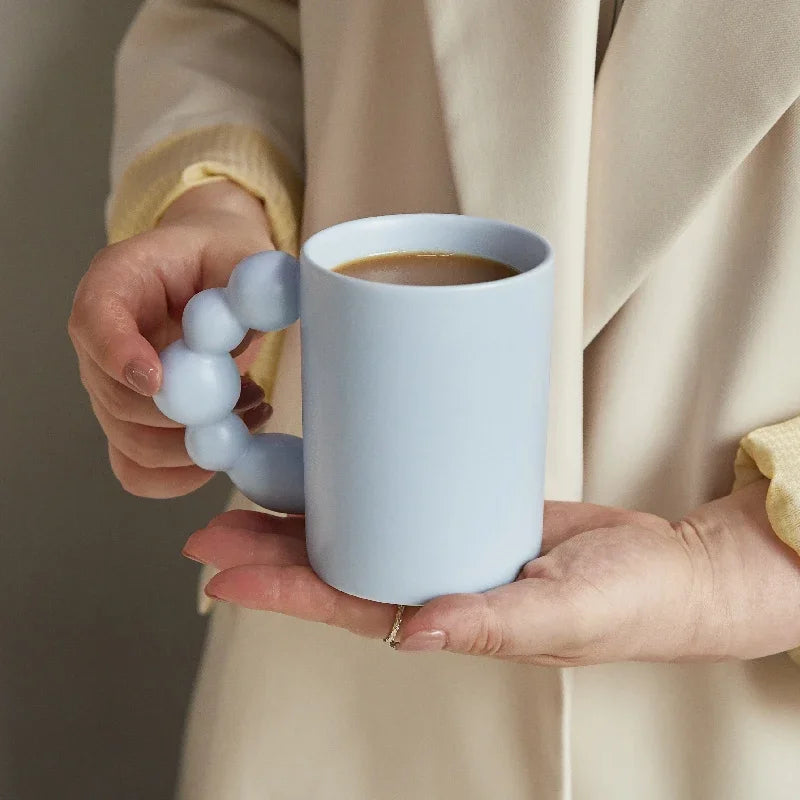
[{"x": 98, "y": 635}]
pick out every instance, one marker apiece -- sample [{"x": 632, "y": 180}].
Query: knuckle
[
  {"x": 120, "y": 260},
  {"x": 85, "y": 380},
  {"x": 487, "y": 637},
  {"x": 127, "y": 474},
  {"x": 88, "y": 298},
  {"x": 132, "y": 253},
  {"x": 100, "y": 259},
  {"x": 139, "y": 453},
  {"x": 108, "y": 257},
  {"x": 72, "y": 327},
  {"x": 136, "y": 443},
  {"x": 134, "y": 478},
  {"x": 134, "y": 481},
  {"x": 114, "y": 401},
  {"x": 118, "y": 405},
  {"x": 77, "y": 313},
  {"x": 103, "y": 260}
]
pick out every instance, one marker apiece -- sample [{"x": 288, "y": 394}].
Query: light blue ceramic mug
[{"x": 421, "y": 467}]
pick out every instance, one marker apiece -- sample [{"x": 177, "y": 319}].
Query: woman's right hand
[{"x": 128, "y": 307}]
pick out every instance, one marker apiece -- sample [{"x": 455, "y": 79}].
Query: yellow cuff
[
  {"x": 241, "y": 154},
  {"x": 774, "y": 452}
]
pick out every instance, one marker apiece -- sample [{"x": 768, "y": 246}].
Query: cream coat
[{"x": 669, "y": 185}]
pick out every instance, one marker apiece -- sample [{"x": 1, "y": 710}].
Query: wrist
[
  {"x": 751, "y": 577},
  {"x": 218, "y": 197}
]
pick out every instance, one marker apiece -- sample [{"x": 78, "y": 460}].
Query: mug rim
[{"x": 544, "y": 264}]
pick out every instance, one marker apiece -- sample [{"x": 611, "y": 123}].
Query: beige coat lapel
[
  {"x": 686, "y": 90},
  {"x": 516, "y": 81}
]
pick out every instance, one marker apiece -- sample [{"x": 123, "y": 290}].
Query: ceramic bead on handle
[{"x": 201, "y": 383}]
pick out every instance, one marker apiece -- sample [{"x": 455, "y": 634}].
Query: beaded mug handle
[{"x": 201, "y": 382}]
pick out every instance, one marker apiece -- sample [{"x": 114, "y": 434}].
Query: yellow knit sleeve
[
  {"x": 774, "y": 452},
  {"x": 161, "y": 175}
]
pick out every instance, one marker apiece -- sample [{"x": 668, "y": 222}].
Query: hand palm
[{"x": 606, "y": 574}]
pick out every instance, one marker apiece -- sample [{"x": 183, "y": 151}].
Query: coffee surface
[{"x": 426, "y": 269}]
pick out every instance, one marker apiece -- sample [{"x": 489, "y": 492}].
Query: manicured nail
[
  {"x": 424, "y": 641},
  {"x": 186, "y": 553},
  {"x": 210, "y": 593},
  {"x": 250, "y": 396},
  {"x": 142, "y": 377},
  {"x": 256, "y": 417}
]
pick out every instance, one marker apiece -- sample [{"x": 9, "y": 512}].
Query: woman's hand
[
  {"x": 128, "y": 307},
  {"x": 612, "y": 585}
]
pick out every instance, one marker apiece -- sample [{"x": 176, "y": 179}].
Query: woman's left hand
[{"x": 611, "y": 585}]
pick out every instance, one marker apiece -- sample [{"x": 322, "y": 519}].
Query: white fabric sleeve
[{"x": 188, "y": 64}]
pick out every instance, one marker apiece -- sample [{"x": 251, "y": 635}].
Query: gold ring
[{"x": 391, "y": 638}]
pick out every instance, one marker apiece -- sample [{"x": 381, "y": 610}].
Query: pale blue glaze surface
[
  {"x": 424, "y": 411},
  {"x": 209, "y": 324},
  {"x": 219, "y": 445},
  {"x": 196, "y": 388}
]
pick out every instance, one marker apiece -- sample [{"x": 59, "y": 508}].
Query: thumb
[{"x": 528, "y": 619}]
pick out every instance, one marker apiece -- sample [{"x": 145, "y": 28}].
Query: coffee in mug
[{"x": 426, "y": 269}]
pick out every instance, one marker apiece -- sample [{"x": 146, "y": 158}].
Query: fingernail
[
  {"x": 424, "y": 641},
  {"x": 186, "y": 553},
  {"x": 251, "y": 395},
  {"x": 221, "y": 550},
  {"x": 142, "y": 377},
  {"x": 197, "y": 546},
  {"x": 257, "y": 416},
  {"x": 212, "y": 594}
]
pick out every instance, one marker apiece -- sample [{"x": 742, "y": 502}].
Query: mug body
[{"x": 424, "y": 410}]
